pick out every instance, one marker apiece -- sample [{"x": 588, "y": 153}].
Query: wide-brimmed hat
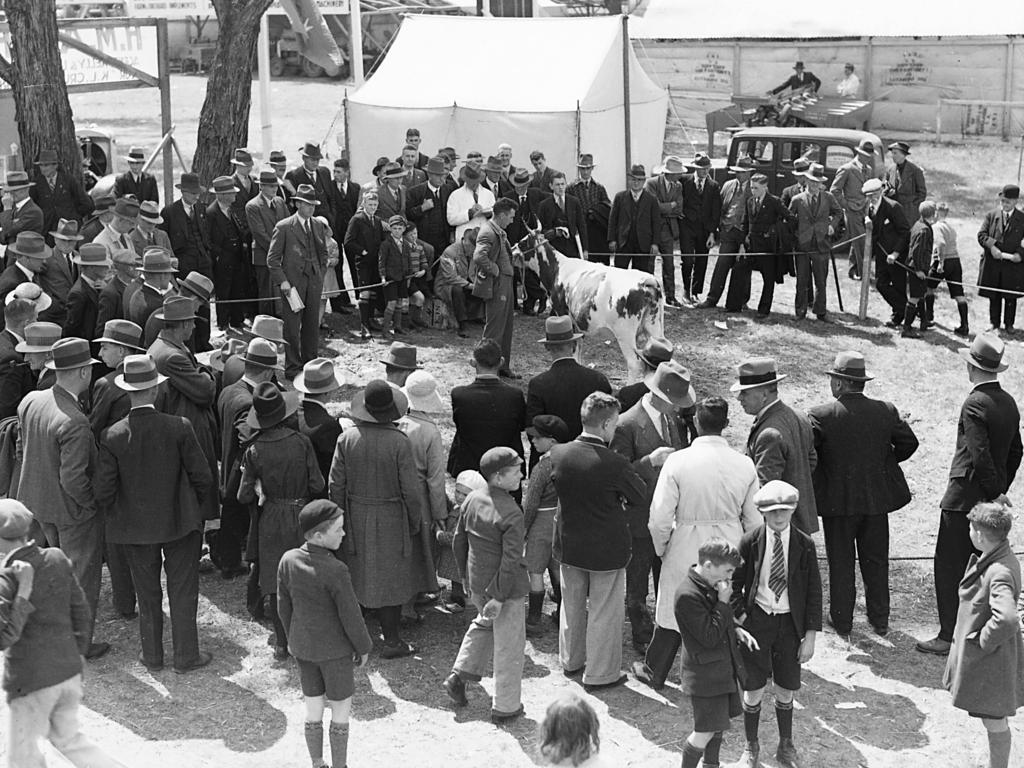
[
  {"x": 104, "y": 203},
  {"x": 309, "y": 149},
  {"x": 156, "y": 259},
  {"x": 31, "y": 245},
  {"x": 559, "y": 330},
  {"x": 223, "y": 184},
  {"x": 17, "y": 180},
  {"x": 123, "y": 332},
  {"x": 306, "y": 194},
  {"x": 902, "y": 146},
  {"x": 176, "y": 309},
  {"x": 241, "y": 157},
  {"x": 401, "y": 355},
  {"x": 586, "y": 161},
  {"x": 657, "y": 350},
  {"x": 189, "y": 182},
  {"x": 1010, "y": 192},
  {"x": 150, "y": 211},
  {"x": 93, "y": 255},
  {"x": 421, "y": 389},
  {"x": 776, "y": 494},
  {"x": 637, "y": 172},
  {"x": 270, "y": 406},
  {"x": 39, "y": 337},
  {"x": 744, "y": 164},
  {"x": 268, "y": 327},
  {"x": 470, "y": 173},
  {"x": 136, "y": 155},
  {"x": 231, "y": 347},
  {"x": 198, "y": 284},
  {"x": 521, "y": 177},
  {"x": 269, "y": 176},
  {"x": 379, "y": 402},
  {"x": 756, "y": 372},
  {"x": 850, "y": 365},
  {"x": 866, "y": 147},
  {"x": 700, "y": 160},
  {"x": 262, "y": 353},
  {"x": 815, "y": 172},
  {"x": 68, "y": 354},
  {"x": 985, "y": 353},
  {"x": 435, "y": 165},
  {"x": 671, "y": 164},
  {"x": 547, "y": 425},
  {"x": 127, "y": 208},
  {"x": 318, "y": 377},
  {"x": 139, "y": 373},
  {"x": 493, "y": 165},
  {"x": 47, "y": 156},
  {"x": 30, "y": 292},
  {"x": 67, "y": 229},
  {"x": 800, "y": 164},
  {"x": 671, "y": 382},
  {"x": 278, "y": 157}
]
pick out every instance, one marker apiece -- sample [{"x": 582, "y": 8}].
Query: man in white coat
[
  {"x": 703, "y": 491},
  {"x": 470, "y": 205}
]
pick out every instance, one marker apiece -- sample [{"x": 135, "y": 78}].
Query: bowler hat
[
  {"x": 309, "y": 149},
  {"x": 136, "y": 155},
  {"x": 637, "y": 172},
  {"x": 262, "y": 353},
  {"x": 815, "y": 172},
  {"x": 318, "y": 377},
  {"x": 670, "y": 381},
  {"x": 30, "y": 292},
  {"x": 743, "y": 164},
  {"x": 189, "y": 182},
  {"x": 17, "y": 180},
  {"x": 68, "y": 354},
  {"x": 123, "y": 332},
  {"x": 31, "y": 245},
  {"x": 985, "y": 353},
  {"x": 197, "y": 284},
  {"x": 850, "y": 365},
  {"x": 902, "y": 146},
  {"x": 586, "y": 161},
  {"x": 270, "y": 406},
  {"x": 547, "y": 425},
  {"x": 1010, "y": 192},
  {"x": 776, "y": 494},
  {"x": 150, "y": 211},
  {"x": 317, "y": 512},
  {"x": 401, "y": 355},
  {"x": 39, "y": 337},
  {"x": 559, "y": 329},
  {"x": 67, "y": 229},
  {"x": 139, "y": 373},
  {"x": 277, "y": 157},
  {"x": 421, "y": 389},
  {"x": 756, "y": 372},
  {"x": 268, "y": 176},
  {"x": 379, "y": 402},
  {"x": 435, "y": 165},
  {"x": 175, "y": 309},
  {"x": 268, "y": 327},
  {"x": 496, "y": 459},
  {"x": 521, "y": 177},
  {"x": 93, "y": 255},
  {"x": 241, "y": 157},
  {"x": 223, "y": 184},
  {"x": 15, "y": 519},
  {"x": 672, "y": 164},
  {"x": 306, "y": 194},
  {"x": 231, "y": 347},
  {"x": 656, "y": 350},
  {"x": 156, "y": 259},
  {"x": 47, "y": 156}
]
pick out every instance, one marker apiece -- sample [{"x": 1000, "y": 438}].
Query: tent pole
[
  {"x": 355, "y": 39},
  {"x": 263, "y": 65},
  {"x": 578, "y": 125},
  {"x": 625, "y": 92},
  {"x": 344, "y": 107}
]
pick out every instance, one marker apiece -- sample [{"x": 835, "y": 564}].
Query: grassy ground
[{"x": 871, "y": 702}]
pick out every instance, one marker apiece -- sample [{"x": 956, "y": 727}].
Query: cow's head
[{"x": 538, "y": 255}]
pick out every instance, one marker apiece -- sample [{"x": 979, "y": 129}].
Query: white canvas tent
[{"x": 472, "y": 83}]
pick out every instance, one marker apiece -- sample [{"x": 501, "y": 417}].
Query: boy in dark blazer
[
  {"x": 564, "y": 214},
  {"x": 777, "y": 599}
]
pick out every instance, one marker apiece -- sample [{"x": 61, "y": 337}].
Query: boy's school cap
[
  {"x": 316, "y": 512},
  {"x": 496, "y": 459},
  {"x": 546, "y": 425},
  {"x": 15, "y": 519},
  {"x": 776, "y": 494}
]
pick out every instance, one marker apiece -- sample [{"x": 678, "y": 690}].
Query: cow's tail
[{"x": 652, "y": 314}]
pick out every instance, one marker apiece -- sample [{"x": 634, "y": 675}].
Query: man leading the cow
[{"x": 492, "y": 261}]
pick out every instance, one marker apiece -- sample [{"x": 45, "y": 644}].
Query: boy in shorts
[
  {"x": 539, "y": 505},
  {"x": 777, "y": 599},
  {"x": 919, "y": 259},
  {"x": 711, "y": 660},
  {"x": 324, "y": 626},
  {"x": 395, "y": 262},
  {"x": 946, "y": 266}
]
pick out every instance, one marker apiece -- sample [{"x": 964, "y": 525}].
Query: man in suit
[
  {"x": 645, "y": 436},
  {"x": 781, "y": 441},
  {"x": 847, "y": 190},
  {"x": 527, "y": 218},
  {"x": 904, "y": 181},
  {"x": 279, "y": 162},
  {"x": 262, "y": 213},
  {"x": 57, "y": 193},
  {"x": 593, "y": 544},
  {"x": 346, "y": 203},
  {"x": 228, "y": 252},
  {"x": 987, "y": 457},
  {"x": 426, "y": 206},
  {"x": 30, "y": 254},
  {"x": 297, "y": 258},
  {"x": 702, "y": 213},
  {"x": 1001, "y": 238},
  {"x": 596, "y": 205},
  {"x": 16, "y": 378},
  {"x": 413, "y": 139},
  {"x": 101, "y": 216},
  {"x": 185, "y": 224},
  {"x": 391, "y": 194},
  {"x": 798, "y": 81},
  {"x": 542, "y": 172},
  {"x": 313, "y": 174},
  {"x": 23, "y": 215},
  {"x": 562, "y": 388},
  {"x": 817, "y": 216},
  {"x": 111, "y": 298},
  {"x": 117, "y": 234},
  {"x": 83, "y": 300},
  {"x": 764, "y": 218},
  {"x": 140, "y": 300},
  {"x": 492, "y": 262},
  {"x": 412, "y": 174},
  {"x": 147, "y": 232},
  {"x": 136, "y": 181},
  {"x": 487, "y": 412},
  {"x": 58, "y": 457},
  {"x": 735, "y": 193},
  {"x": 668, "y": 191},
  {"x": 61, "y": 271},
  {"x": 318, "y": 380},
  {"x": 495, "y": 178},
  {"x": 152, "y": 482},
  {"x": 890, "y": 239},
  {"x": 562, "y": 214},
  {"x": 858, "y": 482},
  {"x": 634, "y": 223}
]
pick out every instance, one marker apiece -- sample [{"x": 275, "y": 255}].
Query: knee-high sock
[
  {"x": 339, "y": 744},
  {"x": 315, "y": 742}
]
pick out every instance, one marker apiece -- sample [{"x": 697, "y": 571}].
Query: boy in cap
[
  {"x": 488, "y": 548},
  {"x": 777, "y": 599},
  {"x": 395, "y": 265},
  {"x": 325, "y": 628},
  {"x": 468, "y": 480},
  {"x": 946, "y": 266},
  {"x": 46, "y": 633}
]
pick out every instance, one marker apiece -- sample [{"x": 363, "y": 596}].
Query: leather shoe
[
  {"x": 498, "y": 717},
  {"x": 592, "y": 687},
  {"x": 880, "y": 629},
  {"x": 156, "y": 667},
  {"x": 573, "y": 672},
  {"x": 397, "y": 651},
  {"x": 841, "y": 633},
  {"x": 787, "y": 755},
  {"x": 936, "y": 646},
  {"x": 706, "y": 304},
  {"x": 644, "y": 674},
  {"x": 455, "y": 687},
  {"x": 96, "y": 651},
  {"x": 751, "y": 757},
  {"x": 202, "y": 660}
]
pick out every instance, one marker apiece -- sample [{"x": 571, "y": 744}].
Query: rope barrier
[{"x": 965, "y": 286}]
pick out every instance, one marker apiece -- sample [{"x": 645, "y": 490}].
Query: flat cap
[
  {"x": 15, "y": 519},
  {"x": 496, "y": 459},
  {"x": 546, "y": 425},
  {"x": 871, "y": 185},
  {"x": 316, "y": 512},
  {"x": 776, "y": 494}
]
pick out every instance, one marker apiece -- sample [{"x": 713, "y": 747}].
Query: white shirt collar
[
  {"x": 761, "y": 412},
  {"x": 28, "y": 272},
  {"x": 654, "y": 414},
  {"x": 20, "y": 205}
]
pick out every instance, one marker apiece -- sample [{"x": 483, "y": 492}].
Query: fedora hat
[
  {"x": 985, "y": 353},
  {"x": 39, "y": 337},
  {"x": 521, "y": 177},
  {"x": 318, "y": 377},
  {"x": 637, "y": 172},
  {"x": 379, "y": 402},
  {"x": 743, "y": 164},
  {"x": 401, "y": 355},
  {"x": 306, "y": 194},
  {"x": 493, "y": 165},
  {"x": 559, "y": 330},
  {"x": 309, "y": 149},
  {"x": 546, "y": 425},
  {"x": 435, "y": 165},
  {"x": 268, "y": 327},
  {"x": 866, "y": 148},
  {"x": 47, "y": 156},
  {"x": 798, "y": 65},
  {"x": 586, "y": 161},
  {"x": 127, "y": 208},
  {"x": 262, "y": 353},
  {"x": 229, "y": 348},
  {"x": 815, "y": 172},
  {"x": 270, "y": 406},
  {"x": 123, "y": 332},
  {"x": 150, "y": 211},
  {"x": 136, "y": 155},
  {"x": 93, "y": 255},
  {"x": 657, "y": 350},
  {"x": 268, "y": 176},
  {"x": 471, "y": 173},
  {"x": 30, "y": 292},
  {"x": 421, "y": 389},
  {"x": 1010, "y": 192},
  {"x": 850, "y": 365},
  {"x": 671, "y": 382},
  {"x": 776, "y": 494},
  {"x": 175, "y": 309},
  {"x": 902, "y": 146},
  {"x": 139, "y": 373},
  {"x": 381, "y": 162},
  {"x": 68, "y": 354},
  {"x": 199, "y": 285},
  {"x": 30, "y": 245},
  {"x": 67, "y": 229},
  {"x": 224, "y": 184},
  {"x": 800, "y": 164},
  {"x": 189, "y": 182},
  {"x": 241, "y": 157},
  {"x": 104, "y": 203},
  {"x": 156, "y": 259},
  {"x": 17, "y": 180},
  {"x": 393, "y": 171},
  {"x": 671, "y": 164},
  {"x": 700, "y": 160},
  {"x": 756, "y": 372},
  {"x": 277, "y": 157}
]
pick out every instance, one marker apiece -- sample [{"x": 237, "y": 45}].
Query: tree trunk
[
  {"x": 36, "y": 76},
  {"x": 224, "y": 119}
]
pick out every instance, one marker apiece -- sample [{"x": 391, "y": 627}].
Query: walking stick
[{"x": 835, "y": 275}]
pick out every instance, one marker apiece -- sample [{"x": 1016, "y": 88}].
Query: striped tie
[{"x": 777, "y": 577}]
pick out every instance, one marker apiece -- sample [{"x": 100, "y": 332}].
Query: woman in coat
[
  {"x": 373, "y": 478},
  {"x": 985, "y": 668}
]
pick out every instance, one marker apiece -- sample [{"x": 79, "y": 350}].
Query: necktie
[
  {"x": 561, "y": 202},
  {"x": 700, "y": 187},
  {"x": 52, "y": 182},
  {"x": 476, "y": 198},
  {"x": 666, "y": 429},
  {"x": 757, "y": 206},
  {"x": 814, "y": 201},
  {"x": 777, "y": 577}
]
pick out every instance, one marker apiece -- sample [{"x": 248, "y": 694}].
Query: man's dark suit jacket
[
  {"x": 763, "y": 229},
  {"x": 803, "y": 579},
  {"x": 795, "y": 81},
  {"x": 571, "y": 218},
  {"x": 542, "y": 181},
  {"x": 487, "y": 413},
  {"x": 860, "y": 443},
  {"x": 322, "y": 185},
  {"x": 10, "y": 279},
  {"x": 431, "y": 226},
  {"x": 560, "y": 391},
  {"x": 644, "y": 213},
  {"x": 345, "y": 207},
  {"x": 110, "y": 305},
  {"x": 233, "y": 405},
  {"x": 145, "y": 189},
  {"x": 67, "y": 200},
  {"x": 28, "y": 218},
  {"x": 595, "y": 485},
  {"x": 528, "y": 215},
  {"x": 891, "y": 230},
  {"x": 1003, "y": 273},
  {"x": 16, "y": 378},
  {"x": 227, "y": 240},
  {"x": 500, "y": 188},
  {"x": 702, "y": 211},
  {"x": 988, "y": 448},
  {"x": 323, "y": 430},
  {"x": 83, "y": 308},
  {"x": 191, "y": 256}
]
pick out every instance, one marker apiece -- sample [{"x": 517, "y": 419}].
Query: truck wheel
[{"x": 311, "y": 69}]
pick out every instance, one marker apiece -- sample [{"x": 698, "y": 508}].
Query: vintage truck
[{"x": 774, "y": 150}]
